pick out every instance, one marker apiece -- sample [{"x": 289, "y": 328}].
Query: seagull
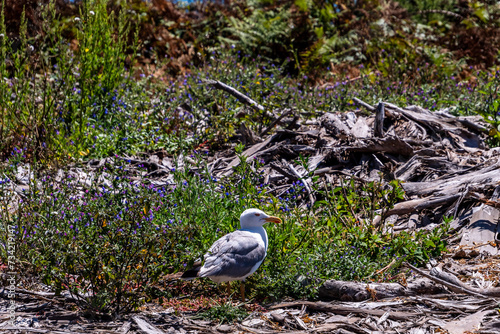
[{"x": 238, "y": 254}]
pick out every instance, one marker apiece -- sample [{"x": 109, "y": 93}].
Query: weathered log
[
  {"x": 356, "y": 291},
  {"x": 342, "y": 309},
  {"x": 334, "y": 126},
  {"x": 482, "y": 230},
  {"x": 283, "y": 169},
  {"x": 248, "y": 153},
  {"x": 483, "y": 178},
  {"x": 360, "y": 129},
  {"x": 364, "y": 104},
  {"x": 460, "y": 286},
  {"x": 391, "y": 145},
  {"x": 418, "y": 165},
  {"x": 378, "y": 130},
  {"x": 472, "y": 122},
  {"x": 125, "y": 327},
  {"x": 247, "y": 135},
  {"x": 440, "y": 123}
]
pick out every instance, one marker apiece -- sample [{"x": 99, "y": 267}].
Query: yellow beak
[{"x": 273, "y": 220}]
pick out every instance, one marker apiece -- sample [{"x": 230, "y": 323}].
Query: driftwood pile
[{"x": 447, "y": 170}]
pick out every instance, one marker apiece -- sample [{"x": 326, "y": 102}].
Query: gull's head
[{"x": 256, "y": 218}]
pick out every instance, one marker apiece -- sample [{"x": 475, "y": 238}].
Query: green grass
[{"x": 224, "y": 313}]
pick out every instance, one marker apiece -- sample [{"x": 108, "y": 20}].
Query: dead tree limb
[
  {"x": 306, "y": 184},
  {"x": 276, "y": 121},
  {"x": 146, "y": 327},
  {"x": 364, "y": 104},
  {"x": 479, "y": 179},
  {"x": 240, "y": 96},
  {"x": 419, "y": 204}
]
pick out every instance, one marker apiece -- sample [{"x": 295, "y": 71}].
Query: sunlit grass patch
[{"x": 226, "y": 312}]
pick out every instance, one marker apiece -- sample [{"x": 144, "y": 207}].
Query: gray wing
[{"x": 233, "y": 255}]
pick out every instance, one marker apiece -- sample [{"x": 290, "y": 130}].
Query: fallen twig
[
  {"x": 445, "y": 283},
  {"x": 38, "y": 295},
  {"x": 364, "y": 104},
  {"x": 276, "y": 121},
  {"x": 443, "y": 12},
  {"x": 306, "y": 184},
  {"x": 240, "y": 96},
  {"x": 378, "y": 272},
  {"x": 417, "y": 205}
]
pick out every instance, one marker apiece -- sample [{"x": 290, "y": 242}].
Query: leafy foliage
[
  {"x": 224, "y": 313},
  {"x": 491, "y": 108},
  {"x": 264, "y": 32}
]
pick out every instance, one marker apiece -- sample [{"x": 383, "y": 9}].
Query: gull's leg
[{"x": 242, "y": 290}]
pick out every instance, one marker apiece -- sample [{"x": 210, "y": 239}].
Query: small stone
[
  {"x": 253, "y": 322},
  {"x": 225, "y": 328},
  {"x": 277, "y": 317}
]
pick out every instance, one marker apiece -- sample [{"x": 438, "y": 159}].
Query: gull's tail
[{"x": 193, "y": 272}]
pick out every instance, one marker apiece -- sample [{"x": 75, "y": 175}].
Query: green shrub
[{"x": 335, "y": 242}]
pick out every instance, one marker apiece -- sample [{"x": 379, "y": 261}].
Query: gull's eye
[{"x": 257, "y": 214}]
